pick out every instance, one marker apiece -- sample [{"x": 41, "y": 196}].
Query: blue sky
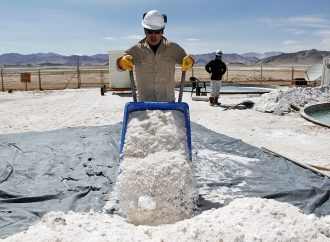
[{"x": 89, "y": 27}]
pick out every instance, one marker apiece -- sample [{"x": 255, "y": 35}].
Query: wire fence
[
  {"x": 11, "y": 79},
  {"x": 263, "y": 75},
  {"x": 90, "y": 77}
]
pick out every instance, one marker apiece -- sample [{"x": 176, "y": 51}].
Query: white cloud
[
  {"x": 309, "y": 21},
  {"x": 266, "y": 20},
  {"x": 298, "y": 31},
  {"x": 290, "y": 42},
  {"x": 322, "y": 32},
  {"x": 325, "y": 42},
  {"x": 109, "y": 38},
  {"x": 313, "y": 21},
  {"x": 192, "y": 39},
  {"x": 314, "y": 28},
  {"x": 139, "y": 37}
]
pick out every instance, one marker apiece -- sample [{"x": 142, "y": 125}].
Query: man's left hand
[{"x": 187, "y": 63}]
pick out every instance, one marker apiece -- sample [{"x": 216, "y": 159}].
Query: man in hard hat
[
  {"x": 154, "y": 59},
  {"x": 216, "y": 68}
]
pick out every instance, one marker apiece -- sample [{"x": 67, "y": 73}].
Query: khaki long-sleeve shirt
[{"x": 155, "y": 72}]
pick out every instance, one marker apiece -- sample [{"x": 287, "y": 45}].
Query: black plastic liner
[{"x": 76, "y": 168}]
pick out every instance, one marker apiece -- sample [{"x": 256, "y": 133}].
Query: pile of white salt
[
  {"x": 156, "y": 184},
  {"x": 244, "y": 219},
  {"x": 283, "y": 100}
]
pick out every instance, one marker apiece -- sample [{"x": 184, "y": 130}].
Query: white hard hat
[
  {"x": 218, "y": 52},
  {"x": 154, "y": 20}
]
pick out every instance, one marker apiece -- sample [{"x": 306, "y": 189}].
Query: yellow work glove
[
  {"x": 126, "y": 62},
  {"x": 187, "y": 63}
]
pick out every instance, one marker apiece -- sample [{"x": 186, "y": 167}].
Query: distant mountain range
[
  {"x": 261, "y": 56},
  {"x": 305, "y": 57},
  {"x": 49, "y": 59}
]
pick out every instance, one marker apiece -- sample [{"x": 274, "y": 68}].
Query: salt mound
[
  {"x": 156, "y": 184},
  {"x": 244, "y": 219},
  {"x": 284, "y": 100},
  {"x": 156, "y": 190}
]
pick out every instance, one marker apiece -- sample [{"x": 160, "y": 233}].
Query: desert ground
[{"x": 290, "y": 135}]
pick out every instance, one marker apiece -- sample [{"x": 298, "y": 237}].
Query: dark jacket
[{"x": 217, "y": 68}]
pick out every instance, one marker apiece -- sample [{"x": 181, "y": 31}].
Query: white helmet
[
  {"x": 218, "y": 52},
  {"x": 154, "y": 20}
]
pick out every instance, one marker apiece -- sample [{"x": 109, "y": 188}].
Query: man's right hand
[{"x": 126, "y": 62}]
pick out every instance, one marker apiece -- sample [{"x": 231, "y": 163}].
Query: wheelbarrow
[{"x": 141, "y": 106}]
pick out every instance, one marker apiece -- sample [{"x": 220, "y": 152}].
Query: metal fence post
[
  {"x": 78, "y": 73},
  {"x": 39, "y": 75},
  {"x": 101, "y": 77},
  {"x": 2, "y": 85}
]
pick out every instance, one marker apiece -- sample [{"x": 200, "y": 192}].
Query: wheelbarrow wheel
[{"x": 103, "y": 90}]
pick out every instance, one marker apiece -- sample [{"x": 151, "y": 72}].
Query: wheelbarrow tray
[{"x": 140, "y": 106}]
